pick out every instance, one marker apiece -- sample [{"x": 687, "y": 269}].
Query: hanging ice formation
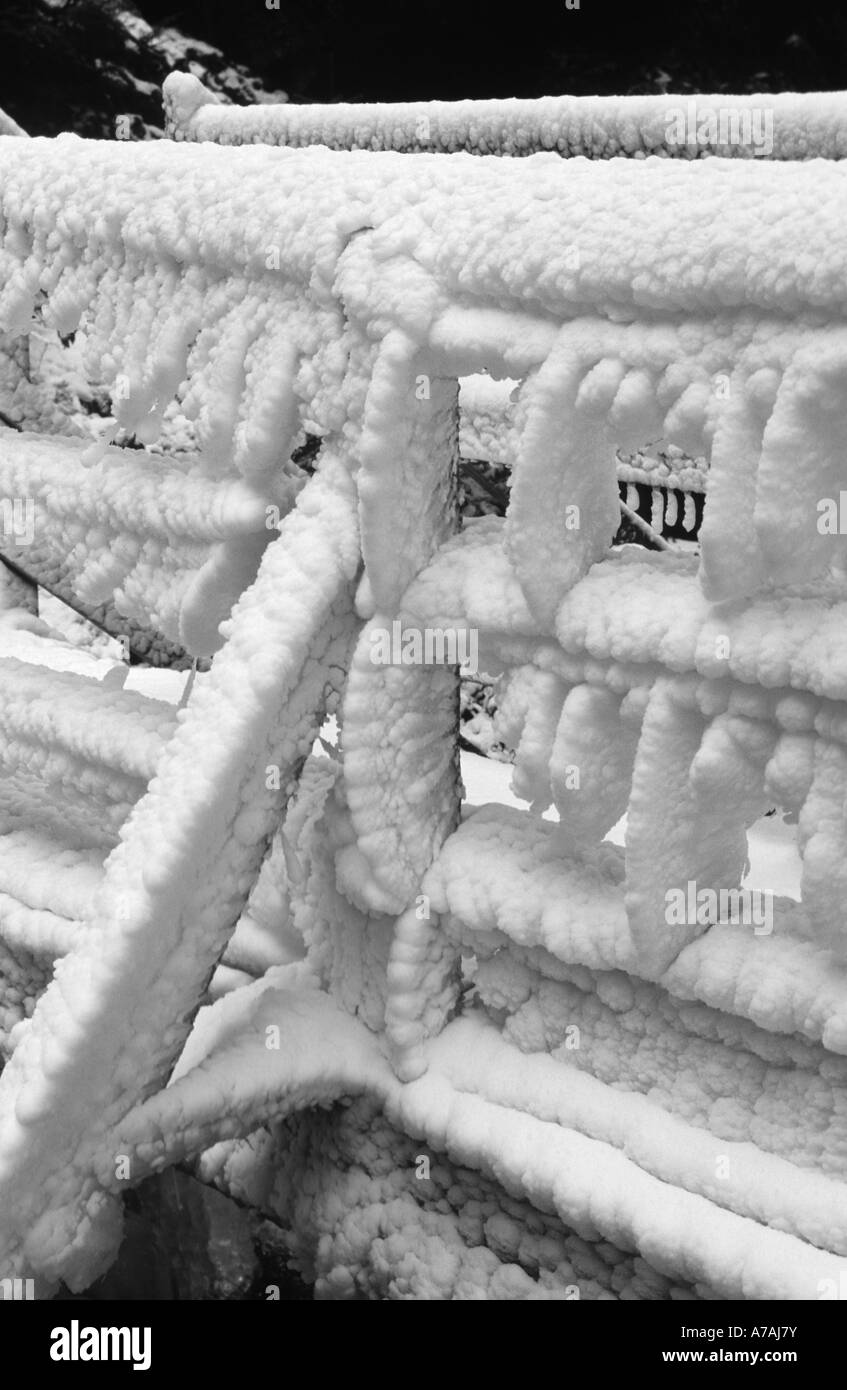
[{"x": 506, "y": 995}]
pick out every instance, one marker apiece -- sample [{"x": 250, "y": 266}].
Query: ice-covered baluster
[
  {"x": 264, "y": 435},
  {"x": 423, "y": 985},
  {"x": 687, "y": 820},
  {"x": 408, "y": 457},
  {"x": 529, "y": 708},
  {"x": 564, "y": 508},
  {"x": 731, "y": 565},
  {"x": 401, "y": 775},
  {"x": 230, "y": 315},
  {"x": 74, "y": 289},
  {"x": 686, "y": 422},
  {"x": 132, "y": 395},
  {"x": 176, "y": 325},
  {"x": 400, "y": 711},
  {"x": 347, "y": 948},
  {"x": 225, "y": 383},
  {"x": 19, "y": 276},
  {"x": 802, "y": 471},
  {"x": 823, "y": 846},
  {"x": 591, "y": 767},
  {"x": 634, "y": 414},
  {"x": 789, "y": 771}
]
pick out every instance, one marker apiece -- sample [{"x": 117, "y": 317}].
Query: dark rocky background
[{"x": 77, "y": 64}]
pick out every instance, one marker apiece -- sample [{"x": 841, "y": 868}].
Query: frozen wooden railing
[{"x": 272, "y": 292}]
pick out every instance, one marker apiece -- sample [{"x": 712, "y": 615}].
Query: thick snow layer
[
  {"x": 633, "y": 251},
  {"x": 473, "y": 1056},
  {"x": 489, "y": 1108},
  {"x": 786, "y": 126},
  {"x": 637, "y": 610}
]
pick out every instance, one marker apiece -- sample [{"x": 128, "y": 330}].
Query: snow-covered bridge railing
[
  {"x": 613, "y": 1043},
  {"x": 786, "y": 125}
]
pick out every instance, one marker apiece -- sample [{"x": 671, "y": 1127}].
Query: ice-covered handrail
[
  {"x": 430, "y": 249},
  {"x": 344, "y": 295},
  {"x": 452, "y": 217},
  {"x": 784, "y": 126}
]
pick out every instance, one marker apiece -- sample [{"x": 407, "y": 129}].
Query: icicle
[
  {"x": 564, "y": 504},
  {"x": 634, "y": 414},
  {"x": 789, "y": 772},
  {"x": 657, "y": 511},
  {"x": 265, "y": 433},
  {"x": 689, "y": 513},
  {"x": 802, "y": 464},
  {"x": 686, "y": 823},
  {"x": 632, "y": 499},
  {"x": 591, "y": 765},
  {"x": 822, "y": 838},
  {"x": 224, "y": 385},
  {"x": 540, "y": 697},
  {"x": 671, "y": 508},
  {"x": 731, "y": 563},
  {"x": 600, "y": 386}
]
